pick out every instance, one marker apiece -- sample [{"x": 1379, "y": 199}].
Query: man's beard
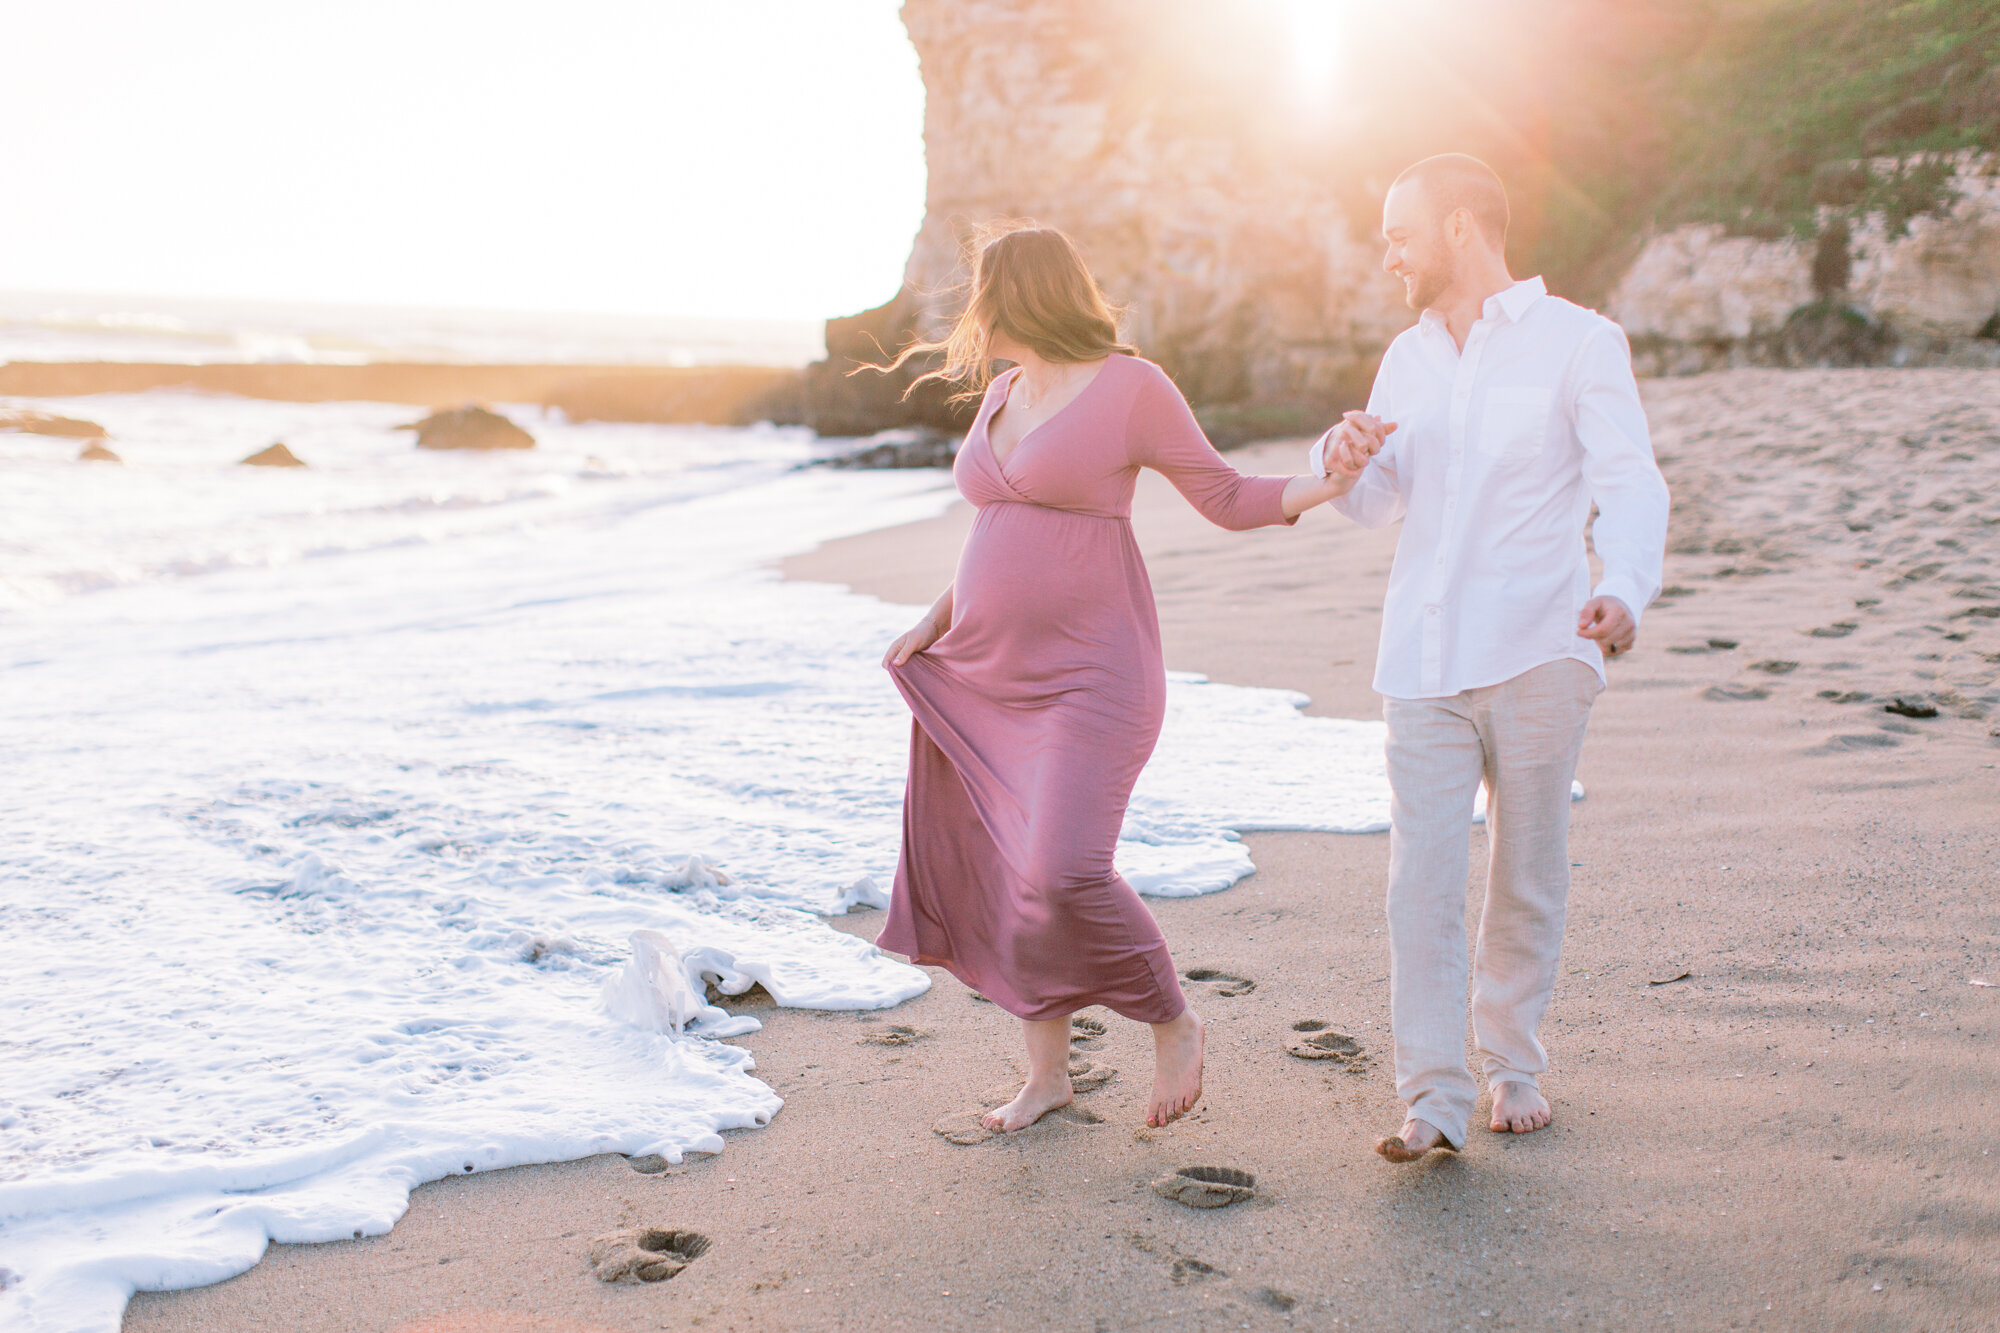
[{"x": 1428, "y": 286}]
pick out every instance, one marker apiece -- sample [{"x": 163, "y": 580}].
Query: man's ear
[{"x": 1458, "y": 226}]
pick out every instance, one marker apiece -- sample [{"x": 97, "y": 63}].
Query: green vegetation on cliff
[
  {"x": 1787, "y": 95},
  {"x": 1752, "y": 114}
]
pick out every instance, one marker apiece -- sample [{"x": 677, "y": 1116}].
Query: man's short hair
[{"x": 1458, "y": 180}]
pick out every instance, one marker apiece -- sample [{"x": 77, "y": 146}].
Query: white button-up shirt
[{"x": 1498, "y": 454}]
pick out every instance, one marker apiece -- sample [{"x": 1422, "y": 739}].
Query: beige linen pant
[{"x": 1522, "y": 738}]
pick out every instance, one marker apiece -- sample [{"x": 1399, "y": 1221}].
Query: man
[{"x": 1493, "y": 425}]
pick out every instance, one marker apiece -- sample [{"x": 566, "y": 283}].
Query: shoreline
[{"x": 1779, "y": 1140}]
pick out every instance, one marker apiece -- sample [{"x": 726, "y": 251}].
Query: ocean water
[
  {"x": 392, "y": 818},
  {"x": 72, "y": 326}
]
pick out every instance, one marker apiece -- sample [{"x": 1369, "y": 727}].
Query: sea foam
[{"x": 407, "y": 815}]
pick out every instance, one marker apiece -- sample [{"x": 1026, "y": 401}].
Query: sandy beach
[{"x": 1772, "y": 1043}]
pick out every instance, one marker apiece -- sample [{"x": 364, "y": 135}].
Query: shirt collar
[{"x": 1514, "y": 302}]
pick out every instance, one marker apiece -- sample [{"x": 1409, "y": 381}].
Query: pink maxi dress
[{"x": 1036, "y": 710}]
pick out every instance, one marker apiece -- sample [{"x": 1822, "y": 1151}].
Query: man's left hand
[{"x": 1609, "y": 621}]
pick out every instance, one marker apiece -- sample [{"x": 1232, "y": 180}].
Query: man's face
[{"x": 1417, "y": 251}]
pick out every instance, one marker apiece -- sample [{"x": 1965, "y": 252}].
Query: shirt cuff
[{"x": 1317, "y": 455}]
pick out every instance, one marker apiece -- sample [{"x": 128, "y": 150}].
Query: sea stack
[
  {"x": 30, "y": 422},
  {"x": 96, "y": 452},
  {"x": 275, "y": 456},
  {"x": 469, "y": 427}
]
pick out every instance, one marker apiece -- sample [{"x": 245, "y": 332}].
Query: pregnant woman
[{"x": 1036, "y": 679}]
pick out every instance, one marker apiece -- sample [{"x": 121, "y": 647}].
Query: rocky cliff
[
  {"x": 1240, "y": 266},
  {"x": 1695, "y": 166},
  {"x": 1868, "y": 287}
]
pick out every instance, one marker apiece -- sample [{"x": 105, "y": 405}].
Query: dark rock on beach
[
  {"x": 1832, "y": 333},
  {"x": 95, "y": 452},
  {"x": 469, "y": 427},
  {"x": 917, "y": 447},
  {"x": 275, "y": 456}
]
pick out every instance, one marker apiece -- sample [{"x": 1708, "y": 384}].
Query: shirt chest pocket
[{"x": 1517, "y": 423}]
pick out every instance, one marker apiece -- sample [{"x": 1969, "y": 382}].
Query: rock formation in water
[
  {"x": 469, "y": 427},
  {"x": 30, "y": 422},
  {"x": 277, "y": 455},
  {"x": 96, "y": 452}
]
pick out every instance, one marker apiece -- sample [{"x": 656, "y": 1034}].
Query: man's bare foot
[
  {"x": 1416, "y": 1138},
  {"x": 1177, "y": 1052},
  {"x": 1035, "y": 1099},
  {"x": 1518, "y": 1108}
]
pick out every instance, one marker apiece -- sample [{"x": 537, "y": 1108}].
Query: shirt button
[{"x": 1433, "y": 610}]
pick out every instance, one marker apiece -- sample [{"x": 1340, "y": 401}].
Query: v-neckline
[{"x": 1032, "y": 431}]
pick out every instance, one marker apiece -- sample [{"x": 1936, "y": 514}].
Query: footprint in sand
[
  {"x": 1185, "y": 1272},
  {"x": 1280, "y": 1301},
  {"x": 1846, "y": 696},
  {"x": 1225, "y": 984},
  {"x": 1872, "y": 740},
  {"x": 1839, "y": 629},
  {"x": 1206, "y": 1186},
  {"x": 1728, "y": 693},
  {"x": 1775, "y": 666},
  {"x": 1706, "y": 646},
  {"x": 1085, "y": 1075},
  {"x": 651, "y": 1254},
  {"x": 896, "y": 1034},
  {"x": 648, "y": 1164},
  {"x": 1315, "y": 1039},
  {"x": 1904, "y": 705},
  {"x": 1088, "y": 1075},
  {"x": 964, "y": 1127},
  {"x": 1083, "y": 1028}
]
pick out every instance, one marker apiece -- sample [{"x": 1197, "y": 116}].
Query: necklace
[{"x": 1029, "y": 398}]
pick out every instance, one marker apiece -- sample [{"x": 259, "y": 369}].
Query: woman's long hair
[{"x": 1030, "y": 284}]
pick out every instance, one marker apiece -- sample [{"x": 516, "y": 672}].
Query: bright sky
[{"x": 756, "y": 158}]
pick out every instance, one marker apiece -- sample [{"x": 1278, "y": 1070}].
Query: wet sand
[{"x": 1798, "y": 1133}]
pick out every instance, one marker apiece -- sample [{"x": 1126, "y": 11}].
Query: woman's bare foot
[
  {"x": 1048, "y": 1077},
  {"x": 1416, "y": 1138},
  {"x": 1037, "y": 1097},
  {"x": 1177, "y": 1052},
  {"x": 1518, "y": 1108}
]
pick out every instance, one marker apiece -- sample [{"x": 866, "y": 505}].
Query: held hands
[
  {"x": 1349, "y": 446},
  {"x": 1358, "y": 438},
  {"x": 1609, "y": 621},
  {"x": 912, "y": 642}
]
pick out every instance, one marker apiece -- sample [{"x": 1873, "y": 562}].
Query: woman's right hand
[{"x": 911, "y": 642}]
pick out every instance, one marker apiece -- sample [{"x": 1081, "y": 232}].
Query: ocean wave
[{"x": 323, "y": 875}]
